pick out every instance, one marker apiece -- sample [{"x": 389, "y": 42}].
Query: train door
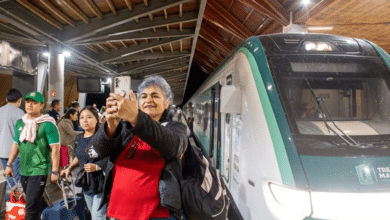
[
  {"x": 215, "y": 136},
  {"x": 217, "y": 127},
  {"x": 227, "y": 148},
  {"x": 235, "y": 155},
  {"x": 227, "y": 127}
]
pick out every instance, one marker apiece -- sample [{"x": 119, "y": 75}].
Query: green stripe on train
[
  {"x": 280, "y": 151},
  {"x": 287, "y": 156}
]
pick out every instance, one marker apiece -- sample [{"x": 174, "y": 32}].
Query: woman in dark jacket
[
  {"x": 144, "y": 150},
  {"x": 93, "y": 165}
]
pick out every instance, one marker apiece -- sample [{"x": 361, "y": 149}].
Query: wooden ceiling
[
  {"x": 165, "y": 37},
  {"x": 365, "y": 19}
]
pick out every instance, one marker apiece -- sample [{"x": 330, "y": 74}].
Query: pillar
[{"x": 56, "y": 76}]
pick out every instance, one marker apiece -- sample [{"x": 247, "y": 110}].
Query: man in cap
[
  {"x": 37, "y": 141},
  {"x": 9, "y": 114}
]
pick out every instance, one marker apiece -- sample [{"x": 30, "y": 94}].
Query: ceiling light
[
  {"x": 320, "y": 28},
  {"x": 305, "y": 2},
  {"x": 46, "y": 54},
  {"x": 66, "y": 53}
]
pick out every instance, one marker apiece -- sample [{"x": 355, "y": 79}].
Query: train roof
[{"x": 297, "y": 43}]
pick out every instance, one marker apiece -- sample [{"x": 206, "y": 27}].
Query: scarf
[{"x": 31, "y": 126}]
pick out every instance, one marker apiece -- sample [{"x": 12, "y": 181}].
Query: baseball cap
[{"x": 36, "y": 96}]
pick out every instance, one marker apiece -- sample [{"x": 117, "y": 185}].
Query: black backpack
[{"x": 202, "y": 191}]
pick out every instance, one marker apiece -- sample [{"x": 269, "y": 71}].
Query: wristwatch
[
  {"x": 55, "y": 172},
  {"x": 9, "y": 165}
]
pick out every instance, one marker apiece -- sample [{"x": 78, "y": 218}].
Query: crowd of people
[{"x": 126, "y": 151}]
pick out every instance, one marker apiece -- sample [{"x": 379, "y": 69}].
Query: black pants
[{"x": 33, "y": 187}]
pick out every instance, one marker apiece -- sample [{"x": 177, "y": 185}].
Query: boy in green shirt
[{"x": 37, "y": 141}]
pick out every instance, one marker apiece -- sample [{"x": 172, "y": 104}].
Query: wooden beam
[
  {"x": 265, "y": 9},
  {"x": 217, "y": 46},
  {"x": 208, "y": 33},
  {"x": 112, "y": 7},
  {"x": 219, "y": 11},
  {"x": 304, "y": 15},
  {"x": 76, "y": 10},
  {"x": 40, "y": 13},
  {"x": 205, "y": 61},
  {"x": 56, "y": 11},
  {"x": 124, "y": 44},
  {"x": 90, "y": 47},
  {"x": 220, "y": 24},
  {"x": 129, "y": 5},
  {"x": 170, "y": 44},
  {"x": 208, "y": 51},
  {"x": 278, "y": 9},
  {"x": 103, "y": 47},
  {"x": 94, "y": 8},
  {"x": 113, "y": 45},
  {"x": 263, "y": 25}
]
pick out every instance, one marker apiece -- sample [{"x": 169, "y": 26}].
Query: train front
[{"x": 336, "y": 99}]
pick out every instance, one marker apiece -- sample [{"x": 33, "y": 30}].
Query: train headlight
[
  {"x": 289, "y": 202},
  {"x": 317, "y": 46}
]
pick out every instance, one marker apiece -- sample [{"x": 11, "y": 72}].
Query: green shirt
[{"x": 35, "y": 157}]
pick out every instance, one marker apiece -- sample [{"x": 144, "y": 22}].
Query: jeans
[
  {"x": 93, "y": 203},
  {"x": 15, "y": 167},
  {"x": 33, "y": 187}
]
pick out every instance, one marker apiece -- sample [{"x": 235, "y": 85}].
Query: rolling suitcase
[{"x": 69, "y": 208}]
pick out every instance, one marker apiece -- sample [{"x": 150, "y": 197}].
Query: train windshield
[{"x": 329, "y": 95}]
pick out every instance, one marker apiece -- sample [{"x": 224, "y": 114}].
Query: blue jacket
[{"x": 169, "y": 140}]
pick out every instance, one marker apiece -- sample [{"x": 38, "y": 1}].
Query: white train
[{"x": 299, "y": 126}]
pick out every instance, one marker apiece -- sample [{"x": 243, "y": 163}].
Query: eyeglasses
[{"x": 133, "y": 148}]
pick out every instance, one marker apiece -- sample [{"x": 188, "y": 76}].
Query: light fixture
[
  {"x": 66, "y": 53},
  {"x": 46, "y": 54},
  {"x": 320, "y": 28},
  {"x": 305, "y": 2}
]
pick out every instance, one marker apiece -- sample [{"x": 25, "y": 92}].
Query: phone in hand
[{"x": 122, "y": 86}]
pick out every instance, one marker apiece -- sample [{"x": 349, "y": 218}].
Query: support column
[
  {"x": 56, "y": 76},
  {"x": 82, "y": 100},
  {"x": 42, "y": 76}
]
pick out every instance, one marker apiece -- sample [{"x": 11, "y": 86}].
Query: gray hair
[{"x": 158, "y": 82}]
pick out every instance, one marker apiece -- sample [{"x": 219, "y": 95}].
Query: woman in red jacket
[{"x": 144, "y": 147}]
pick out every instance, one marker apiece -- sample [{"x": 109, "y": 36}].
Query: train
[{"x": 299, "y": 127}]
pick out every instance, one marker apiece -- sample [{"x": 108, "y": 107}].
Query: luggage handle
[
  {"x": 62, "y": 183},
  {"x": 19, "y": 188}
]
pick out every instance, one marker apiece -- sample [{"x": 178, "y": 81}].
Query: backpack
[{"x": 203, "y": 194}]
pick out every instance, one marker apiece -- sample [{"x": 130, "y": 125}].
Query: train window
[{"x": 353, "y": 91}]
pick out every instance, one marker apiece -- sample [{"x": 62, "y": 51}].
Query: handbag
[{"x": 81, "y": 179}]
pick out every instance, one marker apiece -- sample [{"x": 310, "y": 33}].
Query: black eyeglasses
[{"x": 133, "y": 148}]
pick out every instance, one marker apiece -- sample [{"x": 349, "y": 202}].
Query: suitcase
[
  {"x": 59, "y": 211},
  {"x": 69, "y": 208}
]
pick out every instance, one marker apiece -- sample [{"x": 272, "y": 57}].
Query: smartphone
[{"x": 122, "y": 85}]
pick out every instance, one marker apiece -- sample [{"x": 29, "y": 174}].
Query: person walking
[
  {"x": 67, "y": 136},
  {"x": 37, "y": 141},
  {"x": 144, "y": 147},
  {"x": 89, "y": 160},
  {"x": 56, "y": 108},
  {"x": 9, "y": 114}
]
